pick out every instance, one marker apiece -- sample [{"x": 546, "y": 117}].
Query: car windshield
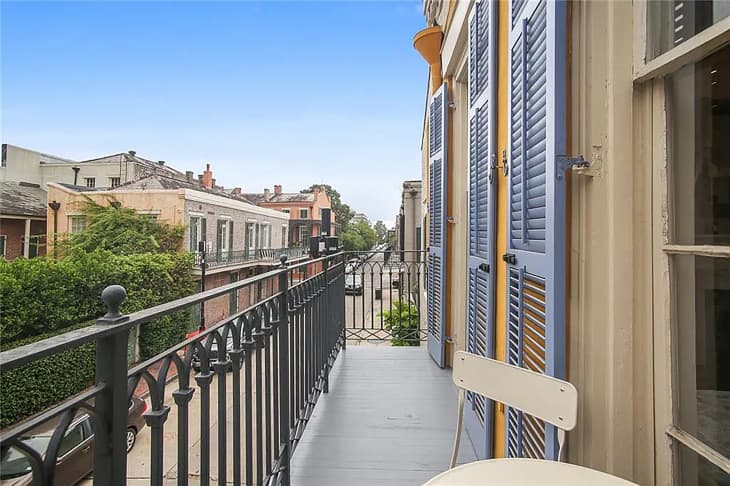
[{"x": 15, "y": 464}]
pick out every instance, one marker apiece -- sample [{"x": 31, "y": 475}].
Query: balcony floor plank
[{"x": 388, "y": 420}]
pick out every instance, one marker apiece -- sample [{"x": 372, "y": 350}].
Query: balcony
[
  {"x": 288, "y": 402},
  {"x": 260, "y": 256}
]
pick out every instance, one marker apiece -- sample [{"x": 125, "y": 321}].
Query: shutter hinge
[
  {"x": 449, "y": 339},
  {"x": 450, "y": 220},
  {"x": 510, "y": 258},
  {"x": 564, "y": 163}
]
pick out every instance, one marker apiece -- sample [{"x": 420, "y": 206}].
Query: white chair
[{"x": 549, "y": 399}]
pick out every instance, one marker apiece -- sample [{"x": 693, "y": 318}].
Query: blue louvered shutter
[
  {"x": 481, "y": 202},
  {"x": 536, "y": 209},
  {"x": 438, "y": 123}
]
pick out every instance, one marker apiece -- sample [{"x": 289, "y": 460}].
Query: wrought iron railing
[
  {"x": 225, "y": 258},
  {"x": 385, "y": 296},
  {"x": 280, "y": 353}
]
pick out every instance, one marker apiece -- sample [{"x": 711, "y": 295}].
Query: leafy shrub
[
  {"x": 42, "y": 297},
  {"x": 403, "y": 323},
  {"x": 26, "y": 390}
]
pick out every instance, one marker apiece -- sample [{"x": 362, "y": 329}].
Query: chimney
[
  {"x": 267, "y": 194},
  {"x": 208, "y": 177},
  {"x": 316, "y": 189},
  {"x": 236, "y": 191},
  {"x": 190, "y": 176},
  {"x": 212, "y": 181},
  {"x": 161, "y": 162},
  {"x": 277, "y": 189},
  {"x": 132, "y": 153}
]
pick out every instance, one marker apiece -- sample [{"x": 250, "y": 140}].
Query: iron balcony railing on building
[
  {"x": 385, "y": 296},
  {"x": 226, "y": 258},
  {"x": 280, "y": 354}
]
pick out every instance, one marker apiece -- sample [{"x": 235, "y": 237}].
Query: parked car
[
  {"x": 353, "y": 284},
  {"x": 213, "y": 354},
  {"x": 76, "y": 454}
]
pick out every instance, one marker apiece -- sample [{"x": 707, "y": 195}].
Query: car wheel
[{"x": 131, "y": 438}]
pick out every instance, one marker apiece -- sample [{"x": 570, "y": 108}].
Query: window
[
  {"x": 265, "y": 236},
  {"x": 114, "y": 181},
  {"x": 224, "y": 237},
  {"x": 4, "y": 156},
  {"x": 250, "y": 238},
  {"x": 73, "y": 438},
  {"x": 284, "y": 230},
  {"x": 303, "y": 214},
  {"x": 196, "y": 232},
  {"x": 698, "y": 108},
  {"x": 77, "y": 224},
  {"x": 90, "y": 181},
  {"x": 233, "y": 297},
  {"x": 3, "y": 241},
  {"x": 286, "y": 210},
  {"x": 304, "y": 233},
  {"x": 670, "y": 23}
]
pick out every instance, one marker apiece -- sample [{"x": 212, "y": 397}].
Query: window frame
[
  {"x": 3, "y": 245},
  {"x": 118, "y": 181},
  {"x": 90, "y": 182},
  {"x": 649, "y": 84},
  {"x": 303, "y": 213},
  {"x": 77, "y": 217}
]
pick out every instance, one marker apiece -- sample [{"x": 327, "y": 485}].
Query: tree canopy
[
  {"x": 359, "y": 237},
  {"x": 381, "y": 230},
  {"x": 124, "y": 232}
]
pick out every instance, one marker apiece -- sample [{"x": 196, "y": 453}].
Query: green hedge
[{"x": 41, "y": 297}]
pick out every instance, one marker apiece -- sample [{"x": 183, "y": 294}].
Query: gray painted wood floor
[{"x": 388, "y": 419}]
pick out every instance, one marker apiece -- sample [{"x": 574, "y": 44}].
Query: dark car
[
  {"x": 76, "y": 454},
  {"x": 213, "y": 354}
]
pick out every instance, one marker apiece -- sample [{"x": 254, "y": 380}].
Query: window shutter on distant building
[
  {"x": 438, "y": 125},
  {"x": 478, "y": 417},
  {"x": 536, "y": 214}
]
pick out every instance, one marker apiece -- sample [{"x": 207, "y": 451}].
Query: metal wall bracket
[
  {"x": 450, "y": 220},
  {"x": 565, "y": 163}
]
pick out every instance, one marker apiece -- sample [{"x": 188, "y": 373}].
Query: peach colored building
[{"x": 304, "y": 209}]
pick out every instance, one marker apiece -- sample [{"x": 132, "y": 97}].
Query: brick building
[
  {"x": 22, "y": 220},
  {"x": 304, "y": 209}
]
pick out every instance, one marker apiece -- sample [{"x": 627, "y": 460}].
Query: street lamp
[{"x": 55, "y": 206}]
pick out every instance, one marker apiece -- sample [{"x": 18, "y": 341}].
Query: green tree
[
  {"x": 381, "y": 230},
  {"x": 359, "y": 236},
  {"x": 124, "y": 231}
]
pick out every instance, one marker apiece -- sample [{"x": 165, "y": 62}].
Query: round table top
[{"x": 519, "y": 472}]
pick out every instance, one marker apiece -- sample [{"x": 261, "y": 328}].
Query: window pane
[
  {"x": 72, "y": 439},
  {"x": 695, "y": 470},
  {"x": 703, "y": 348},
  {"x": 699, "y": 111},
  {"x": 671, "y": 22}
]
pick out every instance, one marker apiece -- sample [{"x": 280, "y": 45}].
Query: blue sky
[{"x": 290, "y": 93}]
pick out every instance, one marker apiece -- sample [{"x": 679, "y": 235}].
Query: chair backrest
[{"x": 550, "y": 399}]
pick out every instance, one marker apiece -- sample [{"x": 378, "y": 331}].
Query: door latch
[
  {"x": 484, "y": 267},
  {"x": 510, "y": 258},
  {"x": 565, "y": 163}
]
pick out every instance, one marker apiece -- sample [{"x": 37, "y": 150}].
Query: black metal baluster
[
  {"x": 203, "y": 379},
  {"x": 248, "y": 346},
  {"x": 267, "y": 330},
  {"x": 258, "y": 337},
  {"x": 221, "y": 367},
  {"x": 236, "y": 356},
  {"x": 284, "y": 476},
  {"x": 182, "y": 397}
]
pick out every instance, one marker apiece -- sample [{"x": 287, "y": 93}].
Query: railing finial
[
  {"x": 282, "y": 259},
  {"x": 113, "y": 297}
]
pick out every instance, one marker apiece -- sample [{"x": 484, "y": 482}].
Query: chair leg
[{"x": 459, "y": 421}]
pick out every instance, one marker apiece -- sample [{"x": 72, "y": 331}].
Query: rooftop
[{"x": 22, "y": 199}]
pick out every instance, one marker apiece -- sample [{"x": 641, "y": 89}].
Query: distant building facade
[
  {"x": 22, "y": 220},
  {"x": 241, "y": 239},
  {"x": 304, "y": 210},
  {"x": 409, "y": 234}
]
